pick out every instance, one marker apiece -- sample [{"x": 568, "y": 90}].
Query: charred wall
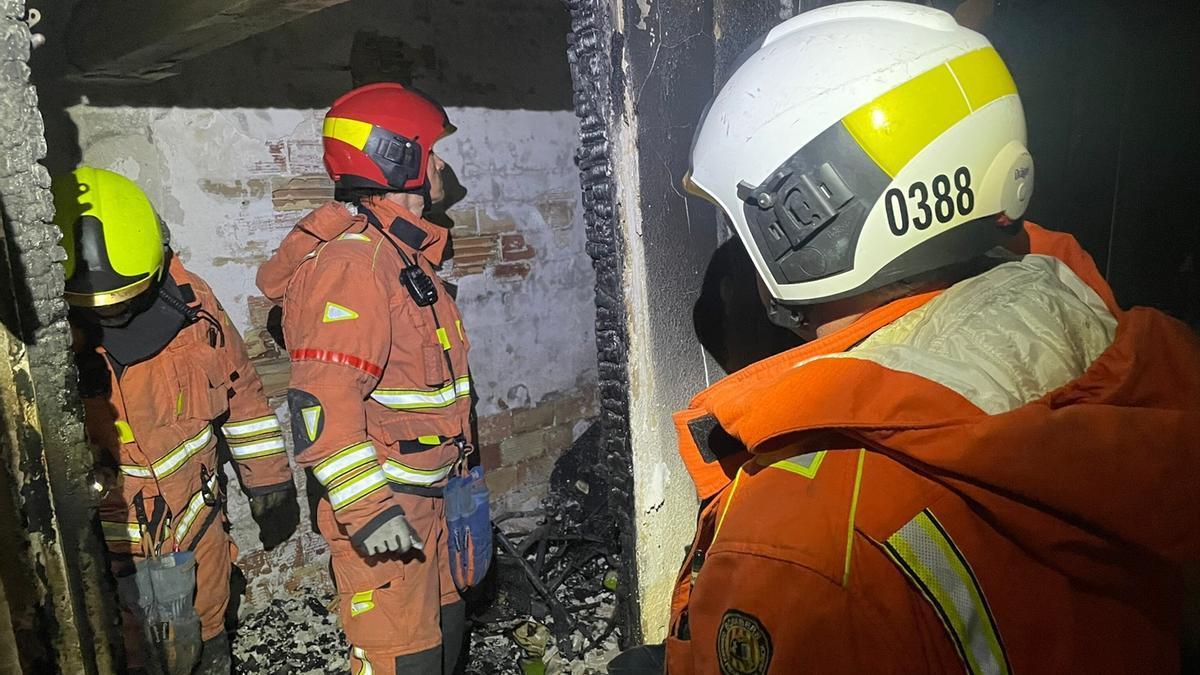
[
  {"x": 594, "y": 51},
  {"x": 643, "y": 72},
  {"x": 53, "y": 573}
]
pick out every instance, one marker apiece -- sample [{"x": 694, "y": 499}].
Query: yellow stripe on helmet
[
  {"x": 897, "y": 125},
  {"x": 351, "y": 132}
]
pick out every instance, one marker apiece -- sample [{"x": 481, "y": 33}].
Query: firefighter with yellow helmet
[
  {"x": 979, "y": 462},
  {"x": 167, "y": 391}
]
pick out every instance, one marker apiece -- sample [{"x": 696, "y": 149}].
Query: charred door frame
[{"x": 649, "y": 68}]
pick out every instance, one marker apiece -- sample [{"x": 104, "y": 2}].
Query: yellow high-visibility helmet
[{"x": 111, "y": 234}]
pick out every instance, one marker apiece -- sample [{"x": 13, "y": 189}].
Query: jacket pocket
[
  {"x": 435, "y": 365},
  {"x": 204, "y": 388}
]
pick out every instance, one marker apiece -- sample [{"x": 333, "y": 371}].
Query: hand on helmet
[{"x": 393, "y": 536}]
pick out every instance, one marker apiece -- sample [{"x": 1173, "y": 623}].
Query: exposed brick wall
[
  {"x": 231, "y": 183},
  {"x": 233, "y": 169},
  {"x": 518, "y": 447}
]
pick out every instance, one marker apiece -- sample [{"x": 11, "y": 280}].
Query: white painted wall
[
  {"x": 211, "y": 174},
  {"x": 662, "y": 379}
]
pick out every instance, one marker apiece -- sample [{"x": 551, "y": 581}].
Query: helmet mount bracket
[{"x": 790, "y": 317}]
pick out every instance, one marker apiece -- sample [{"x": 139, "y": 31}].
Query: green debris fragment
[{"x": 610, "y": 580}]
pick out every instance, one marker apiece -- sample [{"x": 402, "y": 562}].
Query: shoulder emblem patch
[
  {"x": 336, "y": 312},
  {"x": 312, "y": 421},
  {"x": 743, "y": 645}
]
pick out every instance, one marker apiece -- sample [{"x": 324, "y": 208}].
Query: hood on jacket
[{"x": 321, "y": 225}]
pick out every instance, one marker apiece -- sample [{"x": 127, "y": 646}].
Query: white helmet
[{"x": 861, "y": 144}]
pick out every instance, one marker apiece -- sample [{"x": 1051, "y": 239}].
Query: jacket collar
[
  {"x": 742, "y": 414},
  {"x": 405, "y": 227},
  {"x": 709, "y": 440}
]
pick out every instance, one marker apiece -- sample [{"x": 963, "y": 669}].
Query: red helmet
[{"x": 380, "y": 136}]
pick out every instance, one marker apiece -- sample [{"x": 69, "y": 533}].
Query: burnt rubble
[{"x": 555, "y": 576}]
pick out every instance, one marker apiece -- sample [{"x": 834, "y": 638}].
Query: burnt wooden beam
[{"x": 146, "y": 40}]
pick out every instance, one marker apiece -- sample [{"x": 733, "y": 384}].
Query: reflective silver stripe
[
  {"x": 254, "y": 427},
  {"x": 344, "y": 461},
  {"x": 117, "y": 531},
  {"x": 356, "y": 488},
  {"x": 409, "y": 399},
  {"x": 399, "y": 473},
  {"x": 361, "y": 655},
  {"x": 174, "y": 459},
  {"x": 194, "y": 507},
  {"x": 927, "y": 555},
  {"x": 137, "y": 471},
  {"x": 272, "y": 445}
]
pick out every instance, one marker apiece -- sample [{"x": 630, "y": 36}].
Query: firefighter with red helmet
[{"x": 379, "y": 392}]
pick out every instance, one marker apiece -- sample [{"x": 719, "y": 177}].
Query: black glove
[{"x": 277, "y": 514}]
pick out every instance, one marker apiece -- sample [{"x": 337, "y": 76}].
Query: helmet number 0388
[{"x": 938, "y": 199}]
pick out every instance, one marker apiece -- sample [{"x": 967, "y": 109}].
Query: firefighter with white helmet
[{"x": 979, "y": 462}]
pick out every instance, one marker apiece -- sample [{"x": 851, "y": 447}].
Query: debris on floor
[
  {"x": 549, "y": 604},
  {"x": 555, "y": 576},
  {"x": 298, "y": 635}
]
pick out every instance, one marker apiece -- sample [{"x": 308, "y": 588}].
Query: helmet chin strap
[{"x": 790, "y": 317}]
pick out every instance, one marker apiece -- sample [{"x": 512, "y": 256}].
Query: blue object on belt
[{"x": 469, "y": 521}]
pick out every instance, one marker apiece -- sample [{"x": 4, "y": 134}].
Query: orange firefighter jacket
[
  {"x": 159, "y": 422},
  {"x": 379, "y": 388},
  {"x": 997, "y": 478}
]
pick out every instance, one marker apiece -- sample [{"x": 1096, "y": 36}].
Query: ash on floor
[
  {"x": 301, "y": 636},
  {"x": 292, "y": 636},
  {"x": 548, "y": 605}
]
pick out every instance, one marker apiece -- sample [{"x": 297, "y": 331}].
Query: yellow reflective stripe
[
  {"x": 983, "y": 77},
  {"x": 361, "y": 603},
  {"x": 804, "y": 465},
  {"x": 179, "y": 403},
  {"x": 897, "y": 125},
  {"x": 443, "y": 338},
  {"x": 407, "y": 475},
  {"x": 194, "y": 507},
  {"x": 408, "y": 399},
  {"x": 429, "y": 440},
  {"x": 366, "y": 668},
  {"x": 927, "y": 555},
  {"x": 121, "y": 532},
  {"x": 458, "y": 324},
  {"x": 271, "y": 445},
  {"x": 351, "y": 132},
  {"x": 737, "y": 478},
  {"x": 853, "y": 513},
  {"x": 344, "y": 461},
  {"x": 124, "y": 431},
  {"x": 174, "y": 459},
  {"x": 137, "y": 471},
  {"x": 247, "y": 428},
  {"x": 356, "y": 488}
]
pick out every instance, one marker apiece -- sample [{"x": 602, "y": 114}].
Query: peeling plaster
[{"x": 211, "y": 174}]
